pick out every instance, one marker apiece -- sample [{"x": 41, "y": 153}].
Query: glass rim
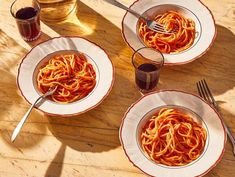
[
  {"x": 23, "y": 20},
  {"x": 155, "y": 50}
]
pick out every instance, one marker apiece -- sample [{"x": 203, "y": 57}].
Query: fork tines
[
  {"x": 164, "y": 31},
  {"x": 157, "y": 27},
  {"x": 205, "y": 92},
  {"x": 160, "y": 30}
]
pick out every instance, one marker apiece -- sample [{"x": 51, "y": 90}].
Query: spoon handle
[{"x": 22, "y": 121}]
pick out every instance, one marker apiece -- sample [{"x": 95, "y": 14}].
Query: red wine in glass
[
  {"x": 28, "y": 22},
  {"x": 147, "y": 76}
]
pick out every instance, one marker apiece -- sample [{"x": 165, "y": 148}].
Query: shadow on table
[
  {"x": 11, "y": 54},
  {"x": 55, "y": 167},
  {"x": 43, "y": 37},
  {"x": 217, "y": 64}
]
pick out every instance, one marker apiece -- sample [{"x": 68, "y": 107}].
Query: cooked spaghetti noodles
[
  {"x": 172, "y": 138},
  {"x": 74, "y": 77},
  {"x": 181, "y": 38}
]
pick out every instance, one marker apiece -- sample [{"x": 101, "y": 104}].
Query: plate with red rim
[
  {"x": 194, "y": 9},
  {"x": 30, "y": 65},
  {"x": 133, "y": 119}
]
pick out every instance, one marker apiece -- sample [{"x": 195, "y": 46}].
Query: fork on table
[
  {"x": 205, "y": 93},
  {"x": 153, "y": 25}
]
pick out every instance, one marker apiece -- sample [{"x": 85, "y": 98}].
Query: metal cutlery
[
  {"x": 22, "y": 121},
  {"x": 153, "y": 25},
  {"x": 205, "y": 93}
]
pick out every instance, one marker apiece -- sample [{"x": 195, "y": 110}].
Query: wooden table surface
[{"x": 88, "y": 145}]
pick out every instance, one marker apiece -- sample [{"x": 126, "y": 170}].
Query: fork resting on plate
[{"x": 153, "y": 25}]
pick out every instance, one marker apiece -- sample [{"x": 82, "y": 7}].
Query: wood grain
[{"x": 88, "y": 145}]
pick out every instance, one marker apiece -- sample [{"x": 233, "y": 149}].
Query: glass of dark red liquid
[
  {"x": 27, "y": 16},
  {"x": 148, "y": 63}
]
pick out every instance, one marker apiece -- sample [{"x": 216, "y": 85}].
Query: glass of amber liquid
[
  {"x": 147, "y": 63},
  {"x": 27, "y": 16},
  {"x": 56, "y": 10}
]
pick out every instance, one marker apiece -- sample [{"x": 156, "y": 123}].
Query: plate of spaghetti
[
  {"x": 80, "y": 69},
  {"x": 172, "y": 133},
  {"x": 191, "y": 31}
]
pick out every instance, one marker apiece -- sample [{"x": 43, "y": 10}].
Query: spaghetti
[
  {"x": 74, "y": 77},
  {"x": 180, "y": 39},
  {"x": 172, "y": 138}
]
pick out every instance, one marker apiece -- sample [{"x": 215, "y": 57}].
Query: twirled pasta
[
  {"x": 71, "y": 73},
  {"x": 172, "y": 138},
  {"x": 180, "y": 40}
]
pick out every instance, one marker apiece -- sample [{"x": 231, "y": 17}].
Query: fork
[
  {"x": 205, "y": 93},
  {"x": 153, "y": 25},
  {"x": 22, "y": 121}
]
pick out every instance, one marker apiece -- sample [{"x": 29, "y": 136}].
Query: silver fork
[
  {"x": 205, "y": 93},
  {"x": 153, "y": 25},
  {"x": 22, "y": 121}
]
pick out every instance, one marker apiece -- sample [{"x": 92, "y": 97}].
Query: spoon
[{"x": 22, "y": 121}]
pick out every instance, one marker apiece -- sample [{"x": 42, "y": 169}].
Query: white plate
[
  {"x": 96, "y": 56},
  {"x": 216, "y": 135},
  {"x": 194, "y": 9}
]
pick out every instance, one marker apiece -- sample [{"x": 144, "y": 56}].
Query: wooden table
[{"x": 88, "y": 145}]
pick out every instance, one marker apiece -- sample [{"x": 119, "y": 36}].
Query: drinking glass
[
  {"x": 148, "y": 63},
  {"x": 27, "y": 16},
  {"x": 56, "y": 10}
]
